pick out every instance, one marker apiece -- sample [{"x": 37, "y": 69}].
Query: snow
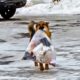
[
  {"x": 47, "y": 7},
  {"x": 68, "y": 58},
  {"x": 11, "y": 78},
  {"x": 21, "y": 78}
]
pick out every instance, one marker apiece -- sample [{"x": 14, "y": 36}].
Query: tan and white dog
[{"x": 44, "y": 54}]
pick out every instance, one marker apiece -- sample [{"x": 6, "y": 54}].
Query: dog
[
  {"x": 41, "y": 60},
  {"x": 56, "y": 1},
  {"x": 31, "y": 28},
  {"x": 42, "y": 65}
]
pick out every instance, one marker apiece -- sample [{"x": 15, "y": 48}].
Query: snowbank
[{"x": 47, "y": 8}]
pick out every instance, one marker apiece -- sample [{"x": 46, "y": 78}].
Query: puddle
[
  {"x": 2, "y": 41},
  {"x": 5, "y": 62},
  {"x": 21, "y": 35}
]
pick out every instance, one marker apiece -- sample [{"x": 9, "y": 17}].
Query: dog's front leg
[{"x": 46, "y": 66}]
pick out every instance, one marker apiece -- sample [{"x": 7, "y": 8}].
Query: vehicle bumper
[{"x": 15, "y": 3}]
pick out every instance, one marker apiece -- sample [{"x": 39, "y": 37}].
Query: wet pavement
[{"x": 14, "y": 39}]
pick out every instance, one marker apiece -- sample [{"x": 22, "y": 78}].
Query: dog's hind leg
[
  {"x": 41, "y": 66},
  {"x": 46, "y": 66}
]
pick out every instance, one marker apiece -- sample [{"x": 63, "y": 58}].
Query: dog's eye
[{"x": 43, "y": 24}]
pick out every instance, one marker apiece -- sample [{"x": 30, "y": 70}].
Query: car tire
[{"x": 8, "y": 11}]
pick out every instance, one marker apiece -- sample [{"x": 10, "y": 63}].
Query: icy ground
[{"x": 14, "y": 40}]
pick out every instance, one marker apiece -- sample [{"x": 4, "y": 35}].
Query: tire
[{"x": 8, "y": 11}]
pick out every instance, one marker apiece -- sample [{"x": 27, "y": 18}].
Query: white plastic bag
[{"x": 43, "y": 53}]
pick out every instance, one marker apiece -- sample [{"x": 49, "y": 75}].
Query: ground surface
[{"x": 14, "y": 39}]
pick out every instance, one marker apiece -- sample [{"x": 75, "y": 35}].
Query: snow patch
[{"x": 46, "y": 8}]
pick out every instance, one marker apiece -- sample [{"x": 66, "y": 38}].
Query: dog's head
[
  {"x": 31, "y": 28},
  {"x": 42, "y": 25}
]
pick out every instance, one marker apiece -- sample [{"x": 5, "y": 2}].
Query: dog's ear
[{"x": 47, "y": 23}]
